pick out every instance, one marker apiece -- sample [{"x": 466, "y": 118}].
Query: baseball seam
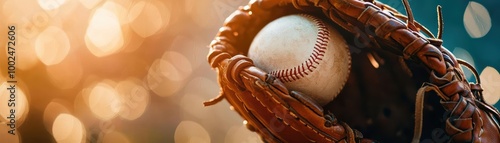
[{"x": 308, "y": 66}]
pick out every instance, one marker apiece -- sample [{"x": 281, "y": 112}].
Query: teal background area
[{"x": 485, "y": 50}]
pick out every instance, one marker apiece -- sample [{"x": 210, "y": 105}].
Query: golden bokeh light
[
  {"x": 26, "y": 34},
  {"x": 191, "y": 106},
  {"x": 132, "y": 40},
  {"x": 201, "y": 89},
  {"x": 240, "y": 134},
  {"x": 104, "y": 101},
  {"x": 61, "y": 9},
  {"x": 50, "y": 4},
  {"x": 490, "y": 81},
  {"x": 190, "y": 46},
  {"x": 27, "y": 28},
  {"x": 158, "y": 83},
  {"x": 52, "y": 111},
  {"x": 211, "y": 13},
  {"x": 191, "y": 132},
  {"x": 20, "y": 100},
  {"x": 68, "y": 129},
  {"x": 8, "y": 7},
  {"x": 177, "y": 67},
  {"x": 135, "y": 98},
  {"x": 204, "y": 86},
  {"x": 27, "y": 51},
  {"x": 81, "y": 107},
  {"x": 88, "y": 84},
  {"x": 8, "y": 138},
  {"x": 165, "y": 11},
  {"x": 52, "y": 45},
  {"x": 119, "y": 10},
  {"x": 89, "y": 4},
  {"x": 66, "y": 74},
  {"x": 145, "y": 18},
  {"x": 115, "y": 137},
  {"x": 11, "y": 10},
  {"x": 168, "y": 75},
  {"x": 104, "y": 34}
]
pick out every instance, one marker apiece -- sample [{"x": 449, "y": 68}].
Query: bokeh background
[{"x": 135, "y": 70}]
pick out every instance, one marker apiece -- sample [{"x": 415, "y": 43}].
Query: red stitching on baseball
[{"x": 306, "y": 67}]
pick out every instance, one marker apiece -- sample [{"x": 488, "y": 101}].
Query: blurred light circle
[
  {"x": 194, "y": 49},
  {"x": 208, "y": 13},
  {"x": 240, "y": 134},
  {"x": 115, "y": 137},
  {"x": 125, "y": 3},
  {"x": 60, "y": 9},
  {"x": 120, "y": 11},
  {"x": 68, "y": 129},
  {"x": 27, "y": 52},
  {"x": 104, "y": 34},
  {"x": 204, "y": 86},
  {"x": 50, "y": 4},
  {"x": 167, "y": 75},
  {"x": 82, "y": 99},
  {"x": 81, "y": 108},
  {"x": 490, "y": 81},
  {"x": 191, "y": 132},
  {"x": 200, "y": 89},
  {"x": 165, "y": 10},
  {"x": 177, "y": 68},
  {"x": 8, "y": 7},
  {"x": 477, "y": 20},
  {"x": 135, "y": 98},
  {"x": 13, "y": 14},
  {"x": 19, "y": 103},
  {"x": 465, "y": 55},
  {"x": 89, "y": 4},
  {"x": 158, "y": 83},
  {"x": 88, "y": 87},
  {"x": 190, "y": 103},
  {"x": 66, "y": 74},
  {"x": 52, "y": 45},
  {"x": 145, "y": 18},
  {"x": 132, "y": 40},
  {"x": 26, "y": 29},
  {"x": 9, "y": 138},
  {"x": 104, "y": 101},
  {"x": 52, "y": 111},
  {"x": 26, "y": 48}
]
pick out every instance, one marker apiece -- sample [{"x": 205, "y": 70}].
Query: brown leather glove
[{"x": 280, "y": 115}]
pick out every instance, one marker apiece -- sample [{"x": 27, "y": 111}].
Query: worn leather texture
[{"x": 418, "y": 93}]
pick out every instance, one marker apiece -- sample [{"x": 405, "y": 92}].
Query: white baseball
[{"x": 305, "y": 53}]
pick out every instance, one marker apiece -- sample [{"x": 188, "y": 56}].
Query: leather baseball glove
[{"x": 384, "y": 103}]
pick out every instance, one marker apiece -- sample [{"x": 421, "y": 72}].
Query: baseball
[{"x": 305, "y": 53}]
